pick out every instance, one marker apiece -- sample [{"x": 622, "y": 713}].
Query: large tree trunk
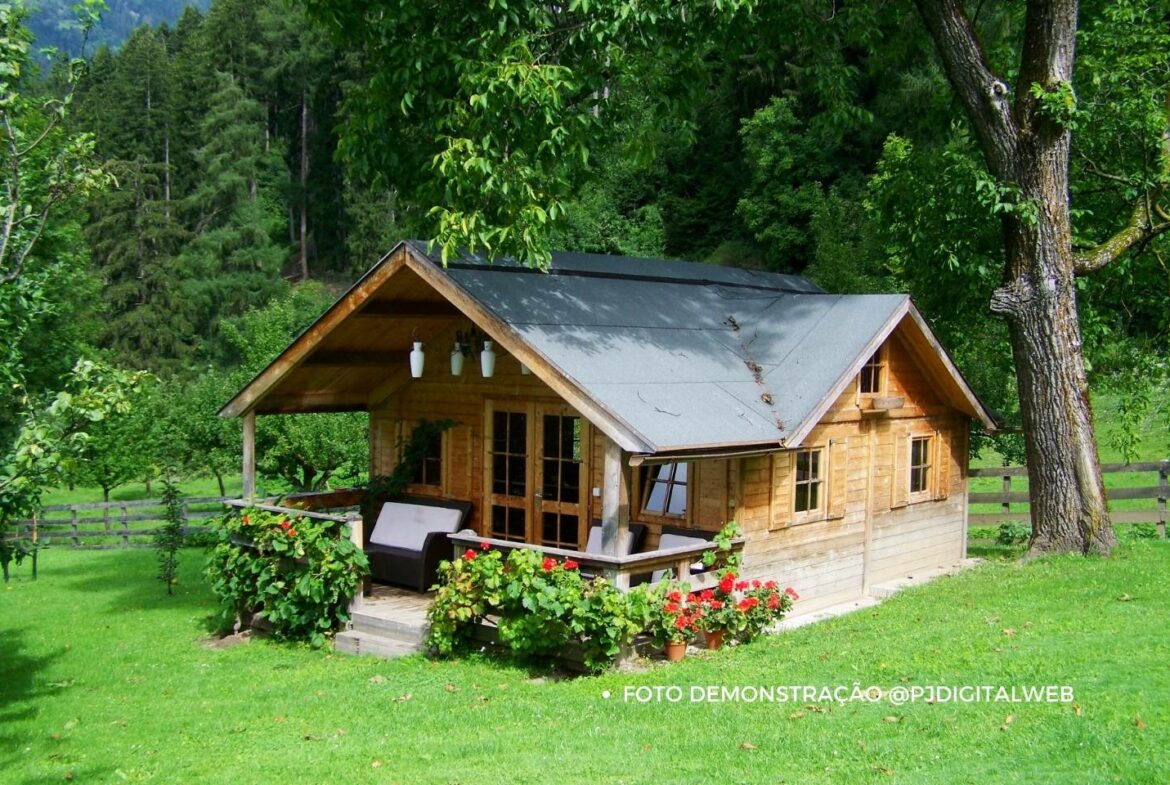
[{"x": 1027, "y": 150}]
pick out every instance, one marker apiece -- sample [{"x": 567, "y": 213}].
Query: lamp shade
[
  {"x": 487, "y": 360},
  {"x": 417, "y": 360},
  {"x": 457, "y": 359}
]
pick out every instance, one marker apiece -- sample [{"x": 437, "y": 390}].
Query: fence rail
[
  {"x": 99, "y": 525},
  {"x": 1005, "y": 497}
]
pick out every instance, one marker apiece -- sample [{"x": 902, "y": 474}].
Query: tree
[
  {"x": 1025, "y": 135},
  {"x": 516, "y": 96}
]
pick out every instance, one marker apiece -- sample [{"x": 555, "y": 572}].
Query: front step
[
  {"x": 402, "y": 631},
  {"x": 361, "y": 642}
]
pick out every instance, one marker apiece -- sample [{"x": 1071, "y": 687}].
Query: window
[
  {"x": 665, "y": 491},
  {"x": 920, "y": 464},
  {"x": 809, "y": 478},
  {"x": 872, "y": 379},
  {"x": 429, "y": 470}
]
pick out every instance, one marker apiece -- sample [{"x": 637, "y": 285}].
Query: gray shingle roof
[{"x": 684, "y": 353}]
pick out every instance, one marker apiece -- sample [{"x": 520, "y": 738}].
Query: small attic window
[{"x": 872, "y": 380}]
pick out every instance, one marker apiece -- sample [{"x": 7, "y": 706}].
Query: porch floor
[{"x": 392, "y": 622}]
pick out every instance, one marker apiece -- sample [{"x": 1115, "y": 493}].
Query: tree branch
[
  {"x": 985, "y": 97},
  {"x": 1139, "y": 229}
]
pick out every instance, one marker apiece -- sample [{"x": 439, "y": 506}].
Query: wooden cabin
[{"x": 832, "y": 428}]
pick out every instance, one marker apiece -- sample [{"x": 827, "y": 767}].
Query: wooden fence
[
  {"x": 1005, "y": 497},
  {"x": 126, "y": 524}
]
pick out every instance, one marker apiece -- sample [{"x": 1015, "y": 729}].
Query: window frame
[
  {"x": 422, "y": 488},
  {"x": 927, "y": 470},
  {"x": 820, "y": 482},
  {"x": 876, "y": 361},
  {"x": 647, "y": 477}
]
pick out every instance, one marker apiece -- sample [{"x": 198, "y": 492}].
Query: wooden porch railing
[
  {"x": 1006, "y": 497},
  {"x": 618, "y": 569}
]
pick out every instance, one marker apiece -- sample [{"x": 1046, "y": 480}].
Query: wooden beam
[
  {"x": 381, "y": 309},
  {"x": 615, "y": 503},
  {"x": 249, "y": 490},
  {"x": 356, "y": 359},
  {"x": 317, "y": 403},
  {"x": 294, "y": 355}
]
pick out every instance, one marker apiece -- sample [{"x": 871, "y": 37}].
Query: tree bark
[{"x": 1028, "y": 152}]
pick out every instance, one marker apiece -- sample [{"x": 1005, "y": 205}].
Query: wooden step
[
  {"x": 373, "y": 645},
  {"x": 395, "y": 629}
]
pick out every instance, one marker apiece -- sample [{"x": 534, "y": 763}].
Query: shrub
[
  {"x": 1013, "y": 533},
  {"x": 744, "y": 609},
  {"x": 298, "y": 572},
  {"x": 542, "y": 606},
  {"x": 168, "y": 538}
]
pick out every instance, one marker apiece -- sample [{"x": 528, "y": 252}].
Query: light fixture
[
  {"x": 487, "y": 360},
  {"x": 457, "y": 359},
  {"x": 417, "y": 360}
]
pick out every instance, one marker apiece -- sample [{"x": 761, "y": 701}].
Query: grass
[{"x": 104, "y": 678}]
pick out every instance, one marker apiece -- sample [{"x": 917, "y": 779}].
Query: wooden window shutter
[
  {"x": 942, "y": 458},
  {"x": 900, "y": 482},
  {"x": 782, "y": 479},
  {"x": 838, "y": 479}
]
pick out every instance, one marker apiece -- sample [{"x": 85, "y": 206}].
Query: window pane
[
  {"x": 516, "y": 478},
  {"x": 814, "y": 496},
  {"x": 568, "y": 530},
  {"x": 517, "y": 433},
  {"x": 550, "y": 488},
  {"x": 499, "y": 474},
  {"x": 680, "y": 472},
  {"x": 548, "y": 528},
  {"x": 500, "y": 432},
  {"x": 678, "y": 500},
  {"x": 570, "y": 482},
  {"x": 552, "y": 437},
  {"x": 656, "y": 498},
  {"x": 814, "y": 464},
  {"x": 802, "y": 466},
  {"x": 802, "y": 498}
]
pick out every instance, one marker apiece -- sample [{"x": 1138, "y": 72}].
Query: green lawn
[{"x": 103, "y": 678}]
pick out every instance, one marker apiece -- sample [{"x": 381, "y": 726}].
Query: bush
[
  {"x": 1013, "y": 533},
  {"x": 299, "y": 573},
  {"x": 542, "y": 606}
]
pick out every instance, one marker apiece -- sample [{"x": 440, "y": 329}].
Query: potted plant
[
  {"x": 674, "y": 619},
  {"x": 761, "y": 605},
  {"x": 720, "y": 615}
]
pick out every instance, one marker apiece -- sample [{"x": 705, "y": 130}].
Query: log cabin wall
[
  {"x": 869, "y": 527},
  {"x": 398, "y": 405}
]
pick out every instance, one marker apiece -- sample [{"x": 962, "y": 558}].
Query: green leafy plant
[
  {"x": 414, "y": 450},
  {"x": 675, "y": 615},
  {"x": 168, "y": 538},
  {"x": 541, "y": 606},
  {"x": 297, "y": 572},
  {"x": 743, "y": 609},
  {"x": 1013, "y": 533}
]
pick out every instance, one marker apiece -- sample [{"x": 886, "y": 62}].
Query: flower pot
[
  {"x": 676, "y": 650},
  {"x": 715, "y": 638}
]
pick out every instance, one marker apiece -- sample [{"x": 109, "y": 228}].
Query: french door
[{"x": 536, "y": 474}]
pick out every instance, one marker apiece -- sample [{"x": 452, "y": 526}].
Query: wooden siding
[{"x": 869, "y": 528}]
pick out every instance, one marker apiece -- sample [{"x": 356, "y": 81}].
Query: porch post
[
  {"x": 249, "y": 490},
  {"x": 615, "y": 505}
]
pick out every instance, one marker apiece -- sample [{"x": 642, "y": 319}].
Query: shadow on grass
[
  {"x": 127, "y": 581},
  {"x": 994, "y": 551},
  {"x": 19, "y": 690}
]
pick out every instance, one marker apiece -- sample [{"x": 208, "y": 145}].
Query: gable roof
[{"x": 665, "y": 357}]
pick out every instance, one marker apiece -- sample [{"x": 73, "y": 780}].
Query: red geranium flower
[
  {"x": 681, "y": 623},
  {"x": 774, "y": 601},
  {"x": 755, "y": 584},
  {"x": 727, "y": 583},
  {"x": 284, "y": 524},
  {"x": 549, "y": 564},
  {"x": 748, "y": 603},
  {"x": 740, "y": 586},
  {"x": 468, "y": 554},
  {"x": 791, "y": 592},
  {"x": 292, "y": 532},
  {"x": 716, "y": 605},
  {"x": 671, "y": 607},
  {"x": 707, "y": 595},
  {"x": 246, "y": 521},
  {"x": 571, "y": 565},
  {"x": 674, "y": 596},
  {"x": 483, "y": 546},
  {"x": 771, "y": 585}
]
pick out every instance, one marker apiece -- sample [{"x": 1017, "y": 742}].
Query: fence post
[
  {"x": 1163, "y": 490},
  {"x": 1006, "y": 504},
  {"x": 125, "y": 526},
  {"x": 73, "y": 523}
]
